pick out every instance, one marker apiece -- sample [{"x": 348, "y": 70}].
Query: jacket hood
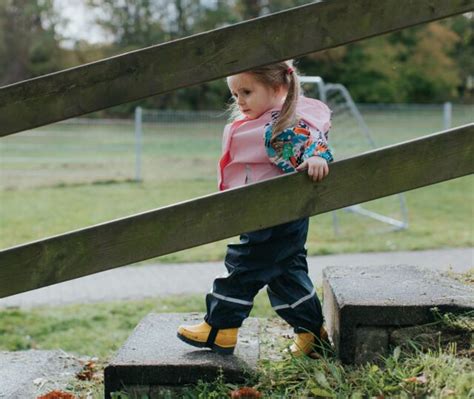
[{"x": 314, "y": 112}]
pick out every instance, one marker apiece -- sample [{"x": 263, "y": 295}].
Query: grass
[
  {"x": 439, "y": 372},
  {"x": 175, "y": 149},
  {"x": 401, "y": 375},
  {"x": 64, "y": 177},
  {"x": 439, "y": 216},
  {"x": 79, "y": 328}
]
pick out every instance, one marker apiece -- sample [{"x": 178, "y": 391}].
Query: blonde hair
[{"x": 281, "y": 74}]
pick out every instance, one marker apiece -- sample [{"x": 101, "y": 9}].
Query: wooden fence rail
[
  {"x": 428, "y": 160},
  {"x": 208, "y": 56}
]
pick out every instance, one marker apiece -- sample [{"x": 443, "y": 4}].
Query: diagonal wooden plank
[
  {"x": 375, "y": 174},
  {"x": 208, "y": 56}
]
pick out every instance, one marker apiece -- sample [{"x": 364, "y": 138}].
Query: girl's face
[{"x": 252, "y": 97}]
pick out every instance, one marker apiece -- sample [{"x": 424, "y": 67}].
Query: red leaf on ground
[
  {"x": 245, "y": 393},
  {"x": 57, "y": 395},
  {"x": 87, "y": 372}
]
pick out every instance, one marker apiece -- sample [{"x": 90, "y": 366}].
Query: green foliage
[
  {"x": 428, "y": 63},
  {"x": 142, "y": 23},
  {"x": 217, "y": 389},
  {"x": 29, "y": 45},
  {"x": 414, "y": 65},
  {"x": 463, "y": 53},
  {"x": 463, "y": 321},
  {"x": 400, "y": 375},
  {"x": 420, "y": 64},
  {"x": 133, "y": 24}
]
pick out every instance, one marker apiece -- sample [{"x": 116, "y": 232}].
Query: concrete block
[
  {"x": 370, "y": 343},
  {"x": 32, "y": 373},
  {"x": 385, "y": 296},
  {"x": 154, "y": 356}
]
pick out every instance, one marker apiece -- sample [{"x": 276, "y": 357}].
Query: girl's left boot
[{"x": 205, "y": 336}]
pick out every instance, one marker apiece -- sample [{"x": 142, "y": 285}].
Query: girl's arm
[{"x": 300, "y": 148}]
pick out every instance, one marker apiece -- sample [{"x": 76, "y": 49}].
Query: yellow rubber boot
[
  {"x": 308, "y": 344},
  {"x": 205, "y": 336}
]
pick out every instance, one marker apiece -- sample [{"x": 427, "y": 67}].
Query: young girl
[{"x": 278, "y": 131}]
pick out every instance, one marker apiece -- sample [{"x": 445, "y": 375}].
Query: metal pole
[
  {"x": 138, "y": 143},
  {"x": 447, "y": 115}
]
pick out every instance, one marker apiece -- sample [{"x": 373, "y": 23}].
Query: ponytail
[{"x": 287, "y": 115}]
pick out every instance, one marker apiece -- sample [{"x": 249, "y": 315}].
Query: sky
[{"x": 80, "y": 24}]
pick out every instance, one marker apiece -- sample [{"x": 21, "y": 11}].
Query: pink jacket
[{"x": 244, "y": 157}]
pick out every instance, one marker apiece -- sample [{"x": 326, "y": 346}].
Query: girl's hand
[{"x": 317, "y": 167}]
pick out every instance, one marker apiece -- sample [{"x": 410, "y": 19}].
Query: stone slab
[
  {"x": 29, "y": 374},
  {"x": 154, "y": 356},
  {"x": 385, "y": 296}
]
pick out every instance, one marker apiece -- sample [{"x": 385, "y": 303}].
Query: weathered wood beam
[
  {"x": 208, "y": 56},
  {"x": 372, "y": 175}
]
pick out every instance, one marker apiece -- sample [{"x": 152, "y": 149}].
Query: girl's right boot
[
  {"x": 205, "y": 336},
  {"x": 310, "y": 345}
]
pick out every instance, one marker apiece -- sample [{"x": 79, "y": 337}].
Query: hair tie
[{"x": 290, "y": 70}]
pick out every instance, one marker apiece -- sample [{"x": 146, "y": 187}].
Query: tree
[
  {"x": 412, "y": 65},
  {"x": 132, "y": 23},
  {"x": 29, "y": 45},
  {"x": 428, "y": 63},
  {"x": 138, "y": 23},
  {"x": 431, "y": 75},
  {"x": 463, "y": 53}
]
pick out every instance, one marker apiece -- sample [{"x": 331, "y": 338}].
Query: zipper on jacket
[{"x": 248, "y": 171}]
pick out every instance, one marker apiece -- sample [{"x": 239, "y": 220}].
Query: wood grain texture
[
  {"x": 208, "y": 56},
  {"x": 372, "y": 175}
]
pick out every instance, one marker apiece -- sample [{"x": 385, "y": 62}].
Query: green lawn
[
  {"x": 64, "y": 177},
  {"x": 439, "y": 216},
  {"x": 177, "y": 148}
]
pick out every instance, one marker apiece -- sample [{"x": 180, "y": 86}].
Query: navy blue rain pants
[{"x": 275, "y": 257}]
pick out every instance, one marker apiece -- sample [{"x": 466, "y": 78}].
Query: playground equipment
[
  {"x": 352, "y": 131},
  {"x": 201, "y": 58}
]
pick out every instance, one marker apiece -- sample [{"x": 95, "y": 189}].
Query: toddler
[{"x": 277, "y": 130}]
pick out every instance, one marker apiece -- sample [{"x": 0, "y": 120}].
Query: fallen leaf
[
  {"x": 87, "y": 372},
  {"x": 57, "y": 395},
  {"x": 245, "y": 393}
]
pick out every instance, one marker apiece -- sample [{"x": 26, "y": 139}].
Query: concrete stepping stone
[
  {"x": 363, "y": 306},
  {"x": 154, "y": 357},
  {"x": 32, "y": 373}
]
